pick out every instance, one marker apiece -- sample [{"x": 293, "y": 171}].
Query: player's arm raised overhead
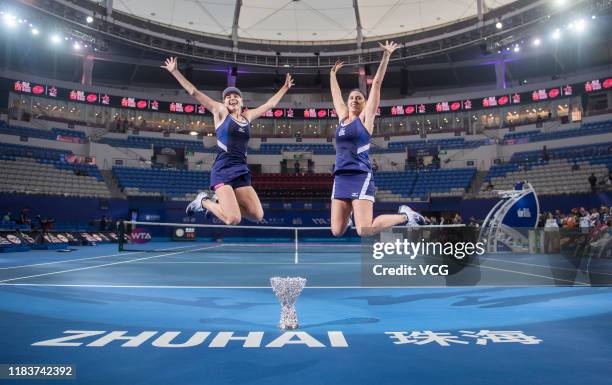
[
  {"x": 272, "y": 102},
  {"x": 213, "y": 106},
  {"x": 374, "y": 98},
  {"x": 339, "y": 105}
]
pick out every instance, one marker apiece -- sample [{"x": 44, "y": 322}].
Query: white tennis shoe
[
  {"x": 412, "y": 217},
  {"x": 196, "y": 205}
]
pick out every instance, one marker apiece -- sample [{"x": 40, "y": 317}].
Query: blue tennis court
[{"x": 205, "y": 314}]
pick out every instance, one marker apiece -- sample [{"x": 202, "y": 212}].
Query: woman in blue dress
[
  {"x": 353, "y": 190},
  {"x": 230, "y": 178}
]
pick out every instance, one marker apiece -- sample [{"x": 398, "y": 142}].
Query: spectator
[
  {"x": 48, "y": 224},
  {"x": 545, "y": 155},
  {"x": 311, "y": 169},
  {"x": 23, "y": 217},
  {"x": 433, "y": 220},
  {"x": 296, "y": 167},
  {"x": 585, "y": 220},
  {"x": 38, "y": 223},
  {"x": 490, "y": 186},
  {"x": 542, "y": 219},
  {"x": 474, "y": 223},
  {"x": 457, "y": 219},
  {"x": 124, "y": 125},
  {"x": 103, "y": 223},
  {"x": 551, "y": 222},
  {"x": 593, "y": 182},
  {"x": 7, "y": 217}
]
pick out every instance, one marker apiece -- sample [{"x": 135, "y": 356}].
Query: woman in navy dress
[
  {"x": 230, "y": 178},
  {"x": 353, "y": 190}
]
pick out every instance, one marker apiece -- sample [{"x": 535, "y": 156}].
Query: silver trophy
[{"x": 287, "y": 290}]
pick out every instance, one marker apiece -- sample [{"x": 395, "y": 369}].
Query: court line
[
  {"x": 552, "y": 267},
  {"x": 103, "y": 265},
  {"x": 339, "y": 263},
  {"x": 303, "y": 244},
  {"x": 94, "y": 286},
  {"x": 84, "y": 259},
  {"x": 528, "y": 274},
  {"x": 246, "y": 263}
]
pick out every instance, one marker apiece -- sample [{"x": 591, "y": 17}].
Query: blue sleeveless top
[
  {"x": 352, "y": 146},
  {"x": 232, "y": 142}
]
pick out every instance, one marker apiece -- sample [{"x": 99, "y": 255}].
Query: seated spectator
[
  {"x": 474, "y": 223},
  {"x": 457, "y": 219},
  {"x": 48, "y": 224},
  {"x": 38, "y": 223},
  {"x": 23, "y": 217},
  {"x": 6, "y": 217}
]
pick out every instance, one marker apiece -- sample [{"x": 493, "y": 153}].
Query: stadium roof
[{"x": 303, "y": 20}]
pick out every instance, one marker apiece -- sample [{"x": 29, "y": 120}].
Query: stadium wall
[
  {"x": 64, "y": 209},
  {"x": 84, "y": 210}
]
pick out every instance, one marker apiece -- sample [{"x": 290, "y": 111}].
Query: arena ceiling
[{"x": 303, "y": 20}]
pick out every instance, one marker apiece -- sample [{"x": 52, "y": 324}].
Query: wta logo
[{"x": 139, "y": 235}]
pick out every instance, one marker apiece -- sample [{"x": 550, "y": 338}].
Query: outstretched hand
[
  {"x": 170, "y": 64},
  {"x": 288, "y": 81},
  {"x": 337, "y": 66},
  {"x": 389, "y": 46}
]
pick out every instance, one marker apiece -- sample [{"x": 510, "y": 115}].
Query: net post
[
  {"x": 296, "y": 258},
  {"x": 121, "y": 233}
]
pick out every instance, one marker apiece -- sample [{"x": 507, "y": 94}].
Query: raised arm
[
  {"x": 272, "y": 102},
  {"x": 339, "y": 105},
  {"x": 374, "y": 98},
  {"x": 213, "y": 106}
]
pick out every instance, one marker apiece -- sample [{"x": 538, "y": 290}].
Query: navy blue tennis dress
[
  {"x": 353, "y": 170},
  {"x": 230, "y": 167}
]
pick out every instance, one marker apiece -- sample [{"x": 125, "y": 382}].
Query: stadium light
[
  {"x": 499, "y": 25},
  {"x": 76, "y": 46},
  {"x": 580, "y": 25},
  {"x": 537, "y": 42},
  {"x": 89, "y": 19},
  {"x": 56, "y": 39},
  {"x": 9, "y": 20},
  {"x": 557, "y": 34},
  {"x": 35, "y": 31},
  {"x": 193, "y": 133},
  {"x": 560, "y": 3},
  {"x": 517, "y": 48}
]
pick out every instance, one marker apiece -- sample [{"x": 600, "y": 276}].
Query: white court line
[
  {"x": 552, "y": 267},
  {"x": 84, "y": 259},
  {"x": 347, "y": 263},
  {"x": 245, "y": 263},
  {"x": 529, "y": 274},
  {"x": 104, "y": 265},
  {"x": 269, "y": 287},
  {"x": 517, "y": 272}
]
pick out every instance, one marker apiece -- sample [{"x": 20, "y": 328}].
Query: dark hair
[{"x": 358, "y": 90}]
